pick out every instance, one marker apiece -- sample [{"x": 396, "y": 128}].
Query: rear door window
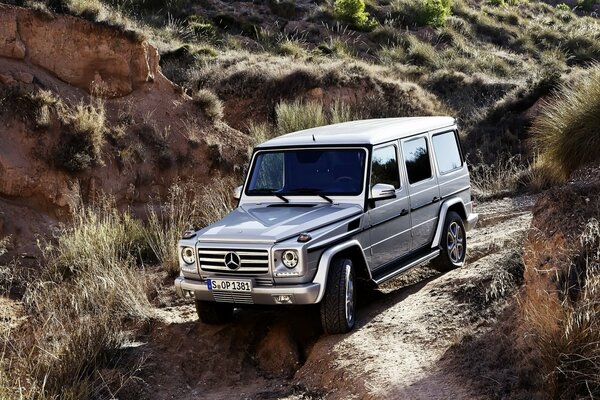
[
  {"x": 416, "y": 154},
  {"x": 447, "y": 152}
]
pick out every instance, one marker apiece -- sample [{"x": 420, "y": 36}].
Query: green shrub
[
  {"x": 353, "y": 12},
  {"x": 433, "y": 12},
  {"x": 566, "y": 130},
  {"x": 587, "y": 4},
  {"x": 563, "y": 7}
]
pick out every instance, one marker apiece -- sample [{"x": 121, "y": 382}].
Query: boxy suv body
[{"x": 325, "y": 208}]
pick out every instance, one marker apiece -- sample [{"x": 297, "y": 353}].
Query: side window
[
  {"x": 447, "y": 152},
  {"x": 416, "y": 154},
  {"x": 384, "y": 167},
  {"x": 270, "y": 172}
]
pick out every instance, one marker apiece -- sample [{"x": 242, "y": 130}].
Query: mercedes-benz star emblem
[{"x": 232, "y": 260}]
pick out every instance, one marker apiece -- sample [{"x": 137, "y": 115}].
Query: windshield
[{"x": 315, "y": 171}]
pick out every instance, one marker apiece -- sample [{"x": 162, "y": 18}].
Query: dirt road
[{"x": 404, "y": 328}]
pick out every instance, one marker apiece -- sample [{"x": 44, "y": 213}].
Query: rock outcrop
[{"x": 78, "y": 52}]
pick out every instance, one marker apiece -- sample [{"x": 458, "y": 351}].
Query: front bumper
[
  {"x": 471, "y": 221},
  {"x": 301, "y": 294}
]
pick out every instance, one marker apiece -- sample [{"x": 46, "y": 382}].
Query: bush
[
  {"x": 353, "y": 12},
  {"x": 210, "y": 104},
  {"x": 283, "y": 8},
  {"x": 78, "y": 307},
  {"x": 83, "y": 137},
  {"x": 433, "y": 12},
  {"x": 563, "y": 7},
  {"x": 566, "y": 131}
]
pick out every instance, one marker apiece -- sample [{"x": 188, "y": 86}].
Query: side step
[{"x": 397, "y": 267}]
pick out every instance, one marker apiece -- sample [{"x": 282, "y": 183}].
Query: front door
[{"x": 389, "y": 219}]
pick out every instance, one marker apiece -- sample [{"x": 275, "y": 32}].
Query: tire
[
  {"x": 214, "y": 313},
  {"x": 339, "y": 303},
  {"x": 453, "y": 244}
]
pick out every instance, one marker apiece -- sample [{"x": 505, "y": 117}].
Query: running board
[{"x": 392, "y": 274}]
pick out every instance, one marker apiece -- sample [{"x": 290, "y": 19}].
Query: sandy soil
[{"x": 404, "y": 328}]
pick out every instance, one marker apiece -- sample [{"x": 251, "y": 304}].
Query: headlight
[
  {"x": 188, "y": 256},
  {"x": 290, "y": 259}
]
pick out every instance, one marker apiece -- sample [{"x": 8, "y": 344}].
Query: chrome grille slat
[
  {"x": 233, "y": 297},
  {"x": 253, "y": 262}
]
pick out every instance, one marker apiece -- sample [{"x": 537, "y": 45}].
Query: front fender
[{"x": 325, "y": 262}]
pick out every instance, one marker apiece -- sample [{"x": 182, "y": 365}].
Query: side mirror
[
  {"x": 382, "y": 191},
  {"x": 237, "y": 192}
]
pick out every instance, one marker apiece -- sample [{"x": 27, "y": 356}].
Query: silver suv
[{"x": 325, "y": 208}]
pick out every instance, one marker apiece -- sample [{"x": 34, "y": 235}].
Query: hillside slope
[{"x": 90, "y": 115}]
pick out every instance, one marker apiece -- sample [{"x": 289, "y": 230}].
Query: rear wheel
[
  {"x": 453, "y": 244},
  {"x": 339, "y": 303},
  {"x": 214, "y": 313}
]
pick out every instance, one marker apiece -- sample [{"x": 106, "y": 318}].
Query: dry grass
[
  {"x": 566, "y": 131},
  {"x": 77, "y": 309},
  {"x": 564, "y": 324},
  {"x": 503, "y": 177},
  {"x": 168, "y": 220},
  {"x": 209, "y": 103},
  {"x": 83, "y": 137}
]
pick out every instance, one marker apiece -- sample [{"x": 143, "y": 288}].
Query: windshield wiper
[
  {"x": 268, "y": 191},
  {"x": 311, "y": 191}
]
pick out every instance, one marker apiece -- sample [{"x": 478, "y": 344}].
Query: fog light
[
  {"x": 283, "y": 298},
  {"x": 189, "y": 293}
]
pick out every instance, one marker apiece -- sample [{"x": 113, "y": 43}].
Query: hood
[{"x": 274, "y": 223}]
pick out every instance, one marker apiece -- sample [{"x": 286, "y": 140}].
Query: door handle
[
  {"x": 403, "y": 212},
  {"x": 435, "y": 199}
]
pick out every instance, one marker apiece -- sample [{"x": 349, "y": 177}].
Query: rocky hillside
[{"x": 89, "y": 113}]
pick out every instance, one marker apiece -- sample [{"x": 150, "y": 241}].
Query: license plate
[{"x": 228, "y": 285}]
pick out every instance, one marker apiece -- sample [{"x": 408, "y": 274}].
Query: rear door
[
  {"x": 453, "y": 174},
  {"x": 389, "y": 219},
  {"x": 422, "y": 188}
]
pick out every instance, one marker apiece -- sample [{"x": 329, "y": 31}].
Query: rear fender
[{"x": 442, "y": 218}]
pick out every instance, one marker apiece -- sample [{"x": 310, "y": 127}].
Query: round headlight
[
  {"x": 187, "y": 255},
  {"x": 290, "y": 259}
]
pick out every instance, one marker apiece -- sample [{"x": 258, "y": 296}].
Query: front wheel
[
  {"x": 213, "y": 313},
  {"x": 338, "y": 304},
  {"x": 453, "y": 244}
]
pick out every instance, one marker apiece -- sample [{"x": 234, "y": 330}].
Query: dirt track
[{"x": 404, "y": 328}]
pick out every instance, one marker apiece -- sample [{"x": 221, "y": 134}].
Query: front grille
[
  {"x": 252, "y": 262},
  {"x": 233, "y": 297},
  {"x": 263, "y": 281}
]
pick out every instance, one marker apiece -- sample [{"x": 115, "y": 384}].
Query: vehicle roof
[{"x": 366, "y": 132}]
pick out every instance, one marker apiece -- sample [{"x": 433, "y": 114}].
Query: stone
[{"x": 24, "y": 77}]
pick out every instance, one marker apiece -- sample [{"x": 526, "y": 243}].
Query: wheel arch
[
  {"x": 351, "y": 249},
  {"x": 456, "y": 205}
]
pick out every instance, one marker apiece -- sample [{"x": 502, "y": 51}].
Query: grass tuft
[
  {"x": 566, "y": 130},
  {"x": 210, "y": 104}
]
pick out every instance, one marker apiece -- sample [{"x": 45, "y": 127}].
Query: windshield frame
[{"x": 258, "y": 151}]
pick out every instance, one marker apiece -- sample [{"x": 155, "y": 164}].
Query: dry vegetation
[
  {"x": 566, "y": 131},
  {"x": 93, "y": 292},
  {"x": 562, "y": 323},
  {"x": 485, "y": 62}
]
